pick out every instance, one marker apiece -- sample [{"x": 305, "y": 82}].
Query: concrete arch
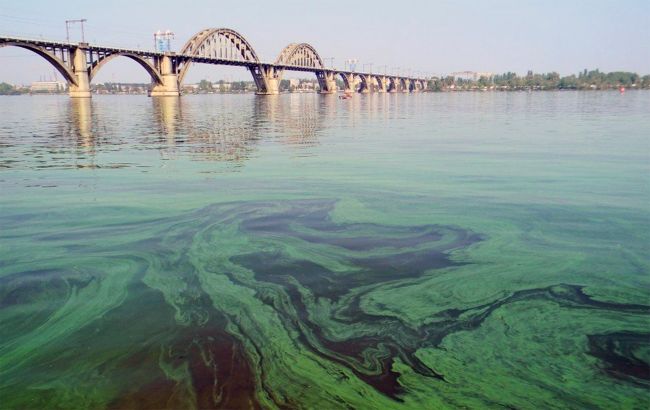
[
  {"x": 97, "y": 65},
  {"x": 58, "y": 64},
  {"x": 346, "y": 82},
  {"x": 365, "y": 83},
  {"x": 393, "y": 84},
  {"x": 379, "y": 82},
  {"x": 302, "y": 54},
  {"x": 411, "y": 85},
  {"x": 222, "y": 43}
]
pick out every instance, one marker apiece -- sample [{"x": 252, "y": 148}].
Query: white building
[{"x": 47, "y": 87}]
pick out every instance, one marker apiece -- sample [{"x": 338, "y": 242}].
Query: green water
[{"x": 470, "y": 250}]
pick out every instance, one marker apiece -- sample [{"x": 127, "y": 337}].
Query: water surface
[{"x": 300, "y": 251}]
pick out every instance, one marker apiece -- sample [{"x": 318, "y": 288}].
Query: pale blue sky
[{"x": 432, "y": 37}]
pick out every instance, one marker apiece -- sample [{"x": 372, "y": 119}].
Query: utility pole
[
  {"x": 367, "y": 64},
  {"x": 67, "y": 29},
  {"x": 352, "y": 62},
  {"x": 331, "y": 60},
  {"x": 162, "y": 41}
]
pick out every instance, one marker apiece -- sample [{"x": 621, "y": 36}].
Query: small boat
[{"x": 345, "y": 96}]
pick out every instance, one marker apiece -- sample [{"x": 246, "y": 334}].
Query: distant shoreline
[
  {"x": 586, "y": 80},
  {"x": 341, "y": 91}
]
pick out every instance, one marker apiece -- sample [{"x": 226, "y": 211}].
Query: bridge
[{"x": 79, "y": 63}]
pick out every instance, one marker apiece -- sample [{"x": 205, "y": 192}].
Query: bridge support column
[
  {"x": 365, "y": 84},
  {"x": 169, "y": 86},
  {"x": 267, "y": 79},
  {"x": 326, "y": 82},
  {"x": 391, "y": 85},
  {"x": 80, "y": 70},
  {"x": 382, "y": 84}
]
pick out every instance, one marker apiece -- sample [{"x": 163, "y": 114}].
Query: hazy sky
[{"x": 432, "y": 37}]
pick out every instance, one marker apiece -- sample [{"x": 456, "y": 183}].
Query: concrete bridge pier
[
  {"x": 80, "y": 70},
  {"x": 326, "y": 82},
  {"x": 366, "y": 86},
  {"x": 267, "y": 79},
  {"x": 168, "y": 87},
  {"x": 390, "y": 85},
  {"x": 382, "y": 84}
]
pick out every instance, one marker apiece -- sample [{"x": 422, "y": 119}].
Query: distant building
[
  {"x": 308, "y": 85},
  {"x": 190, "y": 88},
  {"x": 47, "y": 87},
  {"x": 294, "y": 82},
  {"x": 471, "y": 75}
]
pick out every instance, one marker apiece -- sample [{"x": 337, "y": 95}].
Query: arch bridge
[{"x": 79, "y": 63}]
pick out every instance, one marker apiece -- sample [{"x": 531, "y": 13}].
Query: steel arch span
[
  {"x": 302, "y": 55},
  {"x": 217, "y": 43}
]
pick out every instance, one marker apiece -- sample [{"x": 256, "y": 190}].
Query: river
[{"x": 435, "y": 250}]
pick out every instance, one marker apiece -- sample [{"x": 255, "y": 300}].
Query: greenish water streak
[{"x": 389, "y": 251}]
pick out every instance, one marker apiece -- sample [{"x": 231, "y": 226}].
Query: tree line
[{"x": 585, "y": 80}]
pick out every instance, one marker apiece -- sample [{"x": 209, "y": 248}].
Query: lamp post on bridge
[{"x": 367, "y": 64}]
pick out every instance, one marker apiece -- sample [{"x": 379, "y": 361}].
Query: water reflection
[
  {"x": 168, "y": 114},
  {"x": 295, "y": 120},
  {"x": 232, "y": 129},
  {"x": 109, "y": 131},
  {"x": 80, "y": 114}
]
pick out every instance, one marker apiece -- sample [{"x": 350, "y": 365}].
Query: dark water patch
[
  {"x": 27, "y": 300},
  {"x": 624, "y": 355},
  {"x": 371, "y": 356},
  {"x": 376, "y": 254},
  {"x": 131, "y": 342},
  {"x": 311, "y": 222}
]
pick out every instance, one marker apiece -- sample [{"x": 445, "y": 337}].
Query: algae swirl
[{"x": 267, "y": 305}]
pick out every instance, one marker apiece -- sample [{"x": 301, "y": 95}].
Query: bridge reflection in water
[{"x": 85, "y": 133}]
